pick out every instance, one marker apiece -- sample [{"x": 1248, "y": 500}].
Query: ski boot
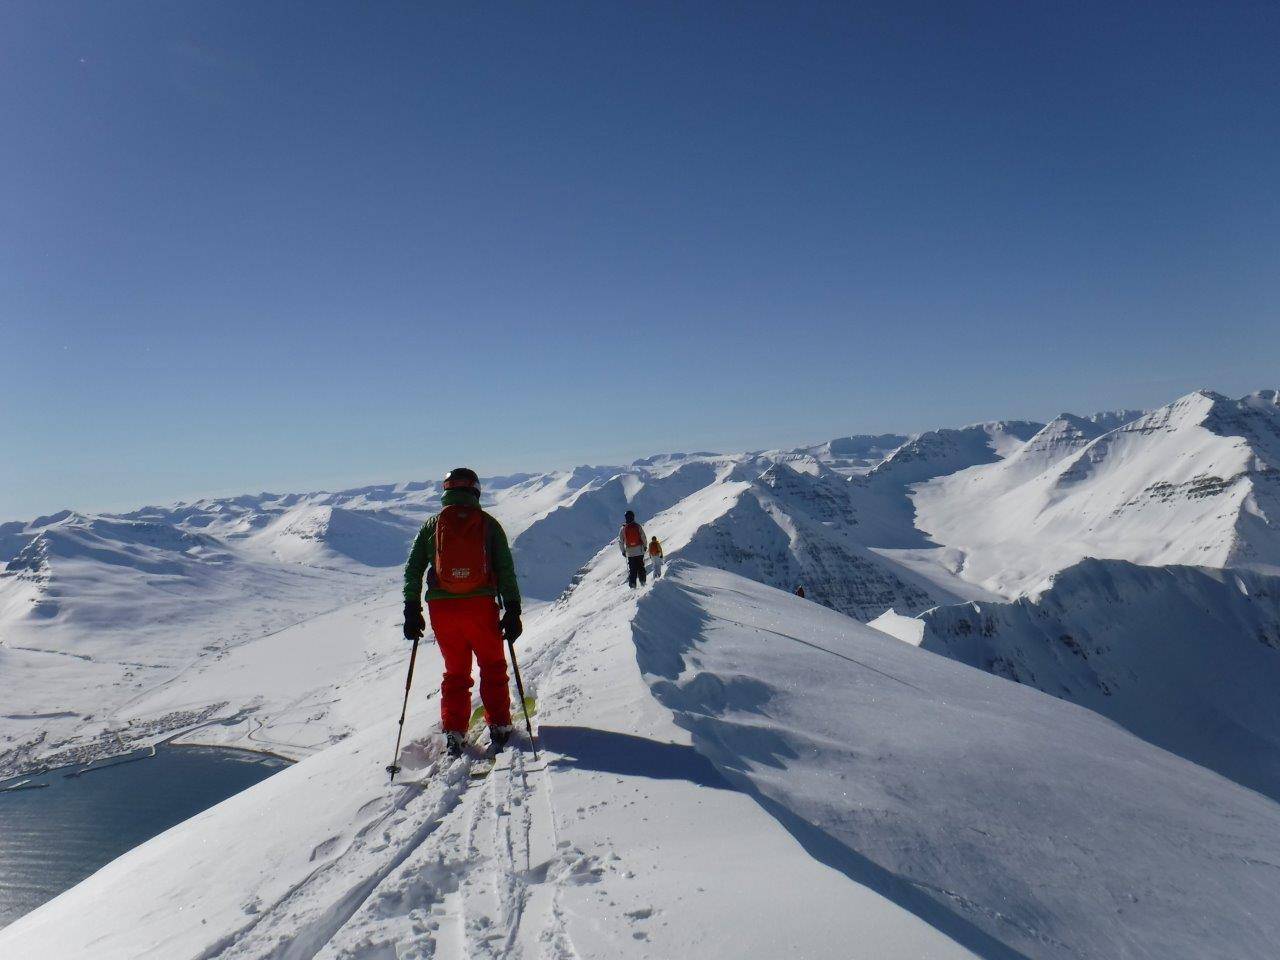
[
  {"x": 453, "y": 743},
  {"x": 498, "y": 737}
]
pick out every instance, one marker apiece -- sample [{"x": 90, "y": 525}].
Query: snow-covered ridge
[
  {"x": 1032, "y": 823},
  {"x": 722, "y": 764}
]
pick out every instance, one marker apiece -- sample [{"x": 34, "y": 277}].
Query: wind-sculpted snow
[
  {"x": 1021, "y": 825},
  {"x": 1187, "y": 658}
]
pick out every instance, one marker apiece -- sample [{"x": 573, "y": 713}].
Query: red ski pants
[{"x": 463, "y": 626}]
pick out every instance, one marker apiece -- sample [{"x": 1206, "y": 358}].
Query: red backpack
[
  {"x": 632, "y": 535},
  {"x": 462, "y": 549}
]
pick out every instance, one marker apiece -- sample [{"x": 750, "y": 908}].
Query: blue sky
[{"x": 255, "y": 246}]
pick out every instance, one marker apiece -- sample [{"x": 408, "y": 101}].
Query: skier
[
  {"x": 800, "y": 591},
  {"x": 655, "y": 557},
  {"x": 631, "y": 542},
  {"x": 463, "y": 553}
]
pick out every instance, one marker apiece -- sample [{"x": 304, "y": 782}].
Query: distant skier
[
  {"x": 467, "y": 563},
  {"x": 655, "y": 557},
  {"x": 631, "y": 541},
  {"x": 800, "y": 591}
]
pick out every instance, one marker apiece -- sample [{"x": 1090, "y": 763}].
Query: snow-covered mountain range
[
  {"x": 1122, "y": 568},
  {"x": 1195, "y": 482}
]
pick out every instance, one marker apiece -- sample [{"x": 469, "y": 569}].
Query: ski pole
[
  {"x": 393, "y": 768},
  {"x": 515, "y": 669}
]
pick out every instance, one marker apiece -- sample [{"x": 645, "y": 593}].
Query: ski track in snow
[
  {"x": 453, "y": 868},
  {"x": 481, "y": 885},
  {"x": 308, "y": 916}
]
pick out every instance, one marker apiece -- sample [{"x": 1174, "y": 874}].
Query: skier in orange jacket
[{"x": 631, "y": 541}]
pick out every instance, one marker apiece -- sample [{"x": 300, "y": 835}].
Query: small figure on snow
[
  {"x": 655, "y": 556},
  {"x": 631, "y": 541},
  {"x": 800, "y": 591},
  {"x": 463, "y": 553}
]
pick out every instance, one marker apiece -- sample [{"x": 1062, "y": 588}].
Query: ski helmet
[
  {"x": 630, "y": 516},
  {"x": 462, "y": 478}
]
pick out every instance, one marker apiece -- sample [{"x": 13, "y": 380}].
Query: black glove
[
  {"x": 414, "y": 625},
  {"x": 511, "y": 625}
]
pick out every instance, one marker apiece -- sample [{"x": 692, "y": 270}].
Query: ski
[
  {"x": 484, "y": 766},
  {"x": 481, "y": 758}
]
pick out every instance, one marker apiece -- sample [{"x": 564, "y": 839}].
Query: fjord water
[{"x": 52, "y": 838}]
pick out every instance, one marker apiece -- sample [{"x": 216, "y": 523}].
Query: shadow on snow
[
  {"x": 668, "y": 628},
  {"x": 602, "y": 751}
]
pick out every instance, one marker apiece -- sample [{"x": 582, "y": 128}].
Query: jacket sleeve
[
  {"x": 622, "y": 540},
  {"x": 504, "y": 565},
  {"x": 419, "y": 558}
]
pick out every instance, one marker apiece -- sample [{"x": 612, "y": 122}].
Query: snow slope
[
  {"x": 1186, "y": 657},
  {"x": 725, "y": 771},
  {"x": 1041, "y": 824},
  {"x": 1196, "y": 482}
]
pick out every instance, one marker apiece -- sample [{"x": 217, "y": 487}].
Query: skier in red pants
[{"x": 467, "y": 564}]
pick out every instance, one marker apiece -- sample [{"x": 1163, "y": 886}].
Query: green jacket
[{"x": 422, "y": 556}]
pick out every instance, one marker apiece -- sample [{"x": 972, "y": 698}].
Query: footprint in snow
[{"x": 325, "y": 849}]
